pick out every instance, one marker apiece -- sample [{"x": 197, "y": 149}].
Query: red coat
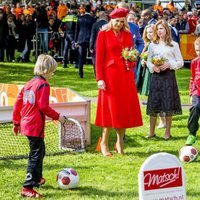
[
  {"x": 31, "y": 106},
  {"x": 192, "y": 25},
  {"x": 118, "y": 106}
]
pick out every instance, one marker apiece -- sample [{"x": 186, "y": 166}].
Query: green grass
[
  {"x": 68, "y": 77},
  {"x": 100, "y": 178}
]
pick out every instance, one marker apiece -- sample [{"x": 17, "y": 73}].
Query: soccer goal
[{"x": 63, "y": 100}]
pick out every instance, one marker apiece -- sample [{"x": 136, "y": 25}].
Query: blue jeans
[{"x": 43, "y": 40}]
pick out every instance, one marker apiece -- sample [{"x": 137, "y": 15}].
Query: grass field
[{"x": 100, "y": 178}]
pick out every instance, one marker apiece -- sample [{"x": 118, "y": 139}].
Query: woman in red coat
[{"x": 118, "y": 105}]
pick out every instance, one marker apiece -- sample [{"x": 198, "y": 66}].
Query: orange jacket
[
  {"x": 31, "y": 10},
  {"x": 170, "y": 7},
  {"x": 18, "y": 12},
  {"x": 157, "y": 7},
  {"x": 61, "y": 11}
]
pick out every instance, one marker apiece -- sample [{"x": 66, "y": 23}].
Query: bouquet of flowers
[
  {"x": 129, "y": 55},
  {"x": 144, "y": 55},
  {"x": 158, "y": 60}
]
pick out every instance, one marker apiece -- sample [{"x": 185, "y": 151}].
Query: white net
[
  {"x": 71, "y": 136},
  {"x": 12, "y": 146}
]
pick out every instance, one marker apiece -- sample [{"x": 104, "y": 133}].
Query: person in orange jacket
[
  {"x": 158, "y": 7},
  {"x": 18, "y": 11},
  {"x": 170, "y": 6},
  {"x": 61, "y": 10}
]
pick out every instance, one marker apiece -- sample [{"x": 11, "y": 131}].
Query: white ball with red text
[
  {"x": 188, "y": 154},
  {"x": 68, "y": 179}
]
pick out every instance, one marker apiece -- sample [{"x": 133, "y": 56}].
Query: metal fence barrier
[{"x": 52, "y": 44}]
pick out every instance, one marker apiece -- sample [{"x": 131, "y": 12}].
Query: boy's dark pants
[
  {"x": 35, "y": 162},
  {"x": 193, "y": 124}
]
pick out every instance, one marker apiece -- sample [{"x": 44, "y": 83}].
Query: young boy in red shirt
[
  {"x": 30, "y": 109},
  {"x": 193, "y": 119}
]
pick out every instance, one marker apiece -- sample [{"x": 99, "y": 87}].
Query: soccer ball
[
  {"x": 188, "y": 154},
  {"x": 67, "y": 179}
]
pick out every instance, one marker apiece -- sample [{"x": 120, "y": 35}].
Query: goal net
[{"x": 12, "y": 146}]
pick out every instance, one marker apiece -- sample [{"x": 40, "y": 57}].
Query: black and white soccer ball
[
  {"x": 68, "y": 179},
  {"x": 188, "y": 154}
]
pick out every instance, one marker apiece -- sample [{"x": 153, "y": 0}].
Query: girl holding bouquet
[
  {"x": 164, "y": 57},
  {"x": 143, "y": 76},
  {"x": 117, "y": 105}
]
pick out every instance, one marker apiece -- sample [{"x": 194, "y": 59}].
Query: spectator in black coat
[
  {"x": 41, "y": 18},
  {"x": 82, "y": 36},
  {"x": 103, "y": 19},
  {"x": 26, "y": 30},
  {"x": 10, "y": 39},
  {"x": 68, "y": 27},
  {"x": 174, "y": 32},
  {"x": 54, "y": 37},
  {"x": 146, "y": 19},
  {"x": 3, "y": 34}
]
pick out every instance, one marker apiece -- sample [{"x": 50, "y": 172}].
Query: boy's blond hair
[
  {"x": 45, "y": 64},
  {"x": 197, "y": 41}
]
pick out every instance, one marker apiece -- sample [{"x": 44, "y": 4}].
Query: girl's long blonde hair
[
  {"x": 144, "y": 36},
  {"x": 168, "y": 38},
  {"x": 109, "y": 25}
]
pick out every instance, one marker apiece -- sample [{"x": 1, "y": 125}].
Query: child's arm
[
  {"x": 192, "y": 84},
  {"x": 43, "y": 102},
  {"x": 17, "y": 113}
]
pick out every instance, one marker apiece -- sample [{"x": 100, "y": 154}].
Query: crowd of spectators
[{"x": 19, "y": 24}]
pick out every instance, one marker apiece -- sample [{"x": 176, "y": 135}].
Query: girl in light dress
[
  {"x": 145, "y": 75},
  {"x": 163, "y": 98}
]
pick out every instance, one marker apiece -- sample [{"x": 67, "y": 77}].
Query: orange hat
[{"x": 118, "y": 13}]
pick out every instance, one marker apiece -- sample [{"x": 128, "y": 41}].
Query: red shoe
[
  {"x": 26, "y": 192},
  {"x": 42, "y": 181}
]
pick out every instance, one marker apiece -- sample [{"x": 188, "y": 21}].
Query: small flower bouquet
[
  {"x": 158, "y": 60},
  {"x": 129, "y": 55},
  {"x": 144, "y": 55}
]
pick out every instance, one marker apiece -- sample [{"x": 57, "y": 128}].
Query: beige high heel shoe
[
  {"x": 106, "y": 154},
  {"x": 115, "y": 147}
]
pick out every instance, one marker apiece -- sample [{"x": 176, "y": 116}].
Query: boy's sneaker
[
  {"x": 26, "y": 192},
  {"x": 191, "y": 139}
]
